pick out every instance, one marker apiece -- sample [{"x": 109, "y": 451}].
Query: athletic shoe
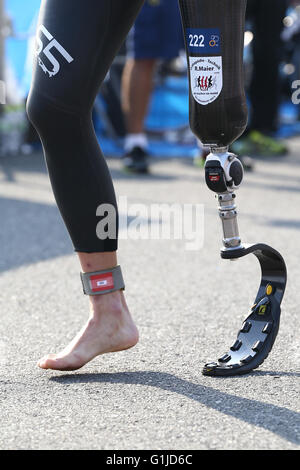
[
  {"x": 257, "y": 143},
  {"x": 136, "y": 161}
]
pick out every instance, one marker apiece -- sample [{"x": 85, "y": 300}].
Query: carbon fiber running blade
[{"x": 259, "y": 331}]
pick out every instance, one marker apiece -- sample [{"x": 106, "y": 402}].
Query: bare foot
[{"x": 110, "y": 328}]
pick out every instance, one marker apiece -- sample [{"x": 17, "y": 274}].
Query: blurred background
[
  {"x": 166, "y": 121},
  {"x": 187, "y": 303}
]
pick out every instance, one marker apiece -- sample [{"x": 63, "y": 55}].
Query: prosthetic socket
[{"x": 214, "y": 38}]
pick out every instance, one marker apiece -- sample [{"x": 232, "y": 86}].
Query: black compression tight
[{"x": 76, "y": 43}]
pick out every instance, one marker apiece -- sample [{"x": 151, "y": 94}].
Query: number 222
[{"x": 196, "y": 41}]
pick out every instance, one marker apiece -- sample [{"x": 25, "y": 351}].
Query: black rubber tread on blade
[{"x": 259, "y": 331}]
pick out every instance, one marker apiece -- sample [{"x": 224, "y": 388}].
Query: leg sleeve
[
  {"x": 76, "y": 43},
  {"x": 267, "y": 16}
]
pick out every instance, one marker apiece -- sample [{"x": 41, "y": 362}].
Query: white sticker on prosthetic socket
[{"x": 206, "y": 74}]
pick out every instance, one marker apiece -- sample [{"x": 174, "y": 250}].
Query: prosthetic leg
[{"x": 214, "y": 38}]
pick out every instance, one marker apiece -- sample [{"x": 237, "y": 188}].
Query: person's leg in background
[
  {"x": 157, "y": 34},
  {"x": 264, "y": 93},
  {"x": 77, "y": 42},
  {"x": 137, "y": 85}
]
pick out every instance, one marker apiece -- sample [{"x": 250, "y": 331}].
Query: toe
[
  {"x": 44, "y": 362},
  {"x": 54, "y": 362}
]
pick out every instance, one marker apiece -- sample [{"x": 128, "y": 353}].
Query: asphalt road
[{"x": 187, "y": 304}]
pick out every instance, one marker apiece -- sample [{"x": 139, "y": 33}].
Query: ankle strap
[{"x": 102, "y": 282}]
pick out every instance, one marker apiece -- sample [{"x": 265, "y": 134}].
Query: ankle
[{"x": 107, "y": 304}]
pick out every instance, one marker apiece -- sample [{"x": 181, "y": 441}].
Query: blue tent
[{"x": 23, "y": 15}]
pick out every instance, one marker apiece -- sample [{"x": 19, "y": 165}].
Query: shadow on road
[
  {"x": 30, "y": 232},
  {"x": 279, "y": 420},
  {"x": 276, "y": 374},
  {"x": 278, "y": 188},
  {"x": 35, "y": 163},
  {"x": 33, "y": 232}
]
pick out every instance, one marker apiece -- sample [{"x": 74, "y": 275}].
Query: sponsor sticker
[
  {"x": 206, "y": 74},
  {"x": 101, "y": 282},
  {"x": 214, "y": 178}
]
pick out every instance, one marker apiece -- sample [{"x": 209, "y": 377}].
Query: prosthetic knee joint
[{"x": 224, "y": 174}]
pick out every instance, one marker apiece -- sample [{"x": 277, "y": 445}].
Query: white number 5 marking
[{"x": 53, "y": 44}]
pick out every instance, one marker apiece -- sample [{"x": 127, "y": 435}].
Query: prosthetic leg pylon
[{"x": 214, "y": 37}]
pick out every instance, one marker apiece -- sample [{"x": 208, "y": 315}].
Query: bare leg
[
  {"x": 137, "y": 86},
  {"x": 110, "y": 327}
]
